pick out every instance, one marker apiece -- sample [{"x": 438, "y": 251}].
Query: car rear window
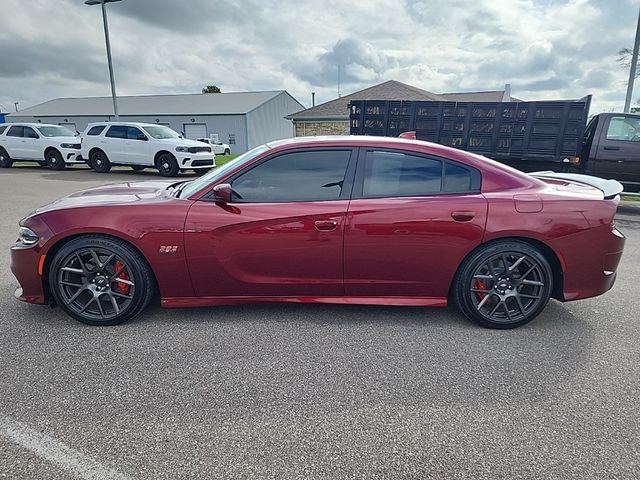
[
  {"x": 97, "y": 130},
  {"x": 15, "y": 131},
  {"x": 117, "y": 131}
]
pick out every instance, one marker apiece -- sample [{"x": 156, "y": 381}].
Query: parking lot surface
[{"x": 314, "y": 391}]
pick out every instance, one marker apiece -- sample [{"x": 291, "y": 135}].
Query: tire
[
  {"x": 167, "y": 165},
  {"x": 86, "y": 289},
  {"x": 99, "y": 162},
  {"x": 496, "y": 296},
  {"x": 5, "y": 159},
  {"x": 227, "y": 151},
  {"x": 54, "y": 160},
  {"x": 137, "y": 168}
]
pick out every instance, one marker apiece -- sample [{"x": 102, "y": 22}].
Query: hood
[
  {"x": 183, "y": 142},
  {"x": 116, "y": 194},
  {"x": 63, "y": 139}
]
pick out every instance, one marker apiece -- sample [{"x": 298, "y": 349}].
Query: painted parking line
[{"x": 55, "y": 451}]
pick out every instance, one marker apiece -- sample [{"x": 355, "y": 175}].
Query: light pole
[
  {"x": 106, "y": 39},
  {"x": 15, "y": 104},
  {"x": 632, "y": 70}
]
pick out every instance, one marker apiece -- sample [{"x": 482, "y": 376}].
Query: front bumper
[
  {"x": 196, "y": 161},
  {"x": 24, "y": 266},
  {"x": 71, "y": 156}
]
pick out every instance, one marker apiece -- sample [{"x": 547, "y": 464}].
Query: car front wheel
[
  {"x": 167, "y": 165},
  {"x": 5, "y": 159},
  {"x": 54, "y": 160},
  {"x": 503, "y": 284},
  {"x": 100, "y": 280}
]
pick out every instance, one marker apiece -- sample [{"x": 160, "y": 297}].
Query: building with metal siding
[{"x": 241, "y": 119}]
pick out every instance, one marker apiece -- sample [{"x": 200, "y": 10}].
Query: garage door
[{"x": 195, "y": 130}]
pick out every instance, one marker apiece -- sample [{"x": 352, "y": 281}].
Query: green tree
[{"x": 211, "y": 89}]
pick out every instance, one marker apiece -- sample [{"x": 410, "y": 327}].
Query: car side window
[
  {"x": 2, "y": 128},
  {"x": 394, "y": 174},
  {"x": 134, "y": 133},
  {"x": 117, "y": 131},
  {"x": 460, "y": 179},
  {"x": 30, "y": 133},
  {"x": 97, "y": 130},
  {"x": 15, "y": 131},
  {"x": 624, "y": 128},
  {"x": 308, "y": 176}
]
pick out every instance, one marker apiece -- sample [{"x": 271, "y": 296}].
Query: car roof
[
  {"x": 124, "y": 124},
  {"x": 27, "y": 124}
]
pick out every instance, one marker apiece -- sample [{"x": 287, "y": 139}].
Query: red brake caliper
[
  {"x": 479, "y": 285},
  {"x": 124, "y": 275}
]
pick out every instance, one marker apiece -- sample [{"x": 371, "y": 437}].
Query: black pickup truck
[{"x": 530, "y": 136}]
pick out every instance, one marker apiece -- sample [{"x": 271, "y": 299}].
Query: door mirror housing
[{"x": 222, "y": 193}]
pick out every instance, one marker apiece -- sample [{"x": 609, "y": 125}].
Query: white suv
[
  {"x": 141, "y": 145},
  {"x": 49, "y": 145},
  {"x": 216, "y": 147}
]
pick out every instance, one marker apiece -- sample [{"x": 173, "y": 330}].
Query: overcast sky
[{"x": 545, "y": 49}]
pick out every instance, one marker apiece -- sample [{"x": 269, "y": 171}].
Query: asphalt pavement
[{"x": 314, "y": 391}]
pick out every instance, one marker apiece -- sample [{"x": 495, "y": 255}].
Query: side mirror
[{"x": 222, "y": 193}]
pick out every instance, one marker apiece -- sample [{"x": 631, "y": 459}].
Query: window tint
[
  {"x": 97, "y": 130},
  {"x": 295, "y": 177},
  {"x": 2, "y": 128},
  {"x": 30, "y": 133},
  {"x": 117, "y": 131},
  {"x": 133, "y": 133},
  {"x": 390, "y": 174},
  {"x": 624, "y": 128},
  {"x": 460, "y": 179},
  {"x": 15, "y": 131}
]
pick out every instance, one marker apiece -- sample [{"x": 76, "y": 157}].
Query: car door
[
  {"x": 14, "y": 142},
  {"x": 618, "y": 151},
  {"x": 137, "y": 147},
  {"x": 281, "y": 235},
  {"x": 32, "y": 144},
  {"x": 411, "y": 221},
  {"x": 115, "y": 144}
]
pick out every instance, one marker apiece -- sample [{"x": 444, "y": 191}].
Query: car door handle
[
  {"x": 462, "y": 216},
  {"x": 326, "y": 225},
  {"x": 612, "y": 148}
]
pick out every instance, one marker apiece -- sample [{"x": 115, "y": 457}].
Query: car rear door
[
  {"x": 412, "y": 220},
  {"x": 115, "y": 144},
  {"x": 618, "y": 151},
  {"x": 282, "y": 234},
  {"x": 14, "y": 142}
]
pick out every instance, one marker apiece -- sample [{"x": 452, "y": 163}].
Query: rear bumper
[{"x": 591, "y": 262}]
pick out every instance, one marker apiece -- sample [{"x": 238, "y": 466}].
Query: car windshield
[
  {"x": 56, "y": 132},
  {"x": 161, "y": 132},
  {"x": 192, "y": 187}
]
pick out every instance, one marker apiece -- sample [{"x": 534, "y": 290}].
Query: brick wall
[{"x": 306, "y": 129}]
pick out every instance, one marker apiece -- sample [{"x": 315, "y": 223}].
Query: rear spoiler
[{"x": 610, "y": 188}]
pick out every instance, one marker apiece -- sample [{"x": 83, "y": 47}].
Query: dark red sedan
[{"x": 358, "y": 220}]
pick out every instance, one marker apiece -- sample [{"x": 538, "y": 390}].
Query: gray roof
[
  {"x": 390, "y": 90},
  {"x": 232, "y": 103}
]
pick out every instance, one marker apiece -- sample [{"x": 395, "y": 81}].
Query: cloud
[{"x": 543, "y": 48}]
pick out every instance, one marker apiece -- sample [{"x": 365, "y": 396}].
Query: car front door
[
  {"x": 282, "y": 234},
  {"x": 137, "y": 147},
  {"x": 33, "y": 148},
  {"x": 412, "y": 220},
  {"x": 618, "y": 152}
]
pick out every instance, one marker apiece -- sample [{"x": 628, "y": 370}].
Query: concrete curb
[{"x": 629, "y": 208}]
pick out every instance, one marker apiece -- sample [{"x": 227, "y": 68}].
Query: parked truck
[{"x": 530, "y": 136}]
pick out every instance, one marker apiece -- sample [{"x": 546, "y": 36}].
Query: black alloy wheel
[
  {"x": 99, "y": 162},
  {"x": 54, "y": 160},
  {"x": 100, "y": 280},
  {"x": 504, "y": 285},
  {"x": 167, "y": 165},
  {"x": 5, "y": 159}
]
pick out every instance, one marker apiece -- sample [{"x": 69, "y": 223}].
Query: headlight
[
  {"x": 70, "y": 145},
  {"x": 27, "y": 237},
  {"x": 182, "y": 149}
]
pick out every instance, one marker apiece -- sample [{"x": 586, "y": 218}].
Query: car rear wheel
[
  {"x": 167, "y": 165},
  {"x": 227, "y": 151},
  {"x": 5, "y": 159},
  {"x": 100, "y": 280},
  {"x": 137, "y": 168},
  {"x": 54, "y": 160},
  {"x": 99, "y": 162},
  {"x": 504, "y": 284}
]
